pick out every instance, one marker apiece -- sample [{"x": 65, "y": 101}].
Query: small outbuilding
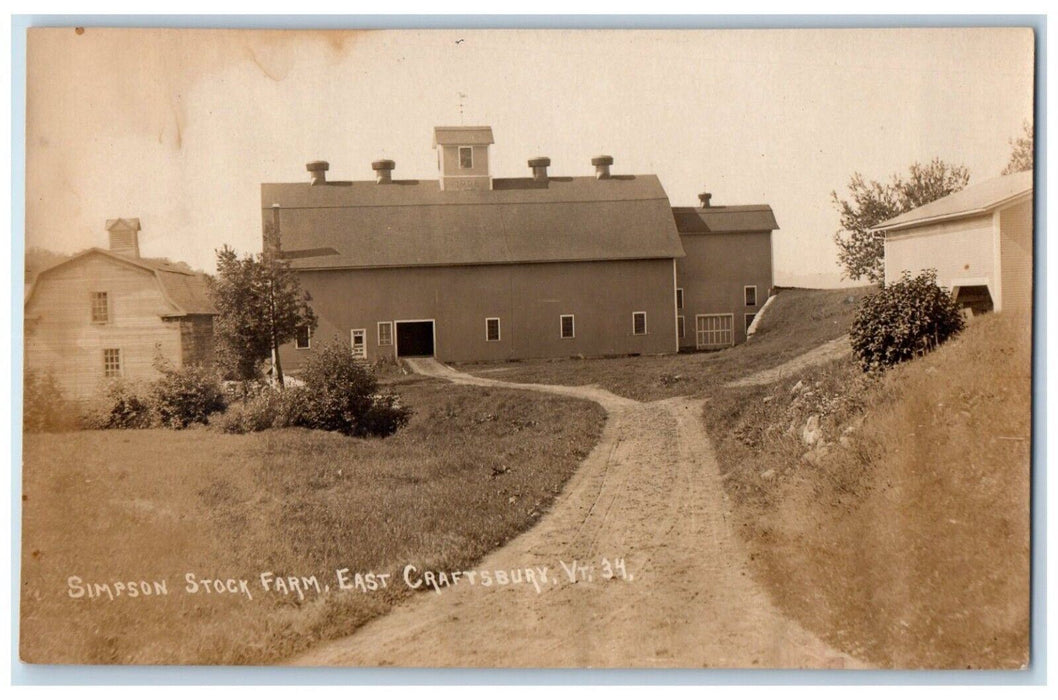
[{"x": 979, "y": 240}]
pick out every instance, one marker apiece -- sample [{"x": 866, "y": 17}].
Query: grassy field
[
  {"x": 820, "y": 315},
  {"x": 904, "y": 539},
  {"x": 474, "y": 467}
]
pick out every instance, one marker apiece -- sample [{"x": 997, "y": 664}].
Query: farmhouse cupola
[
  {"x": 602, "y": 167},
  {"x": 463, "y": 157},
  {"x": 539, "y": 166},
  {"x": 383, "y": 171},
  {"x": 705, "y": 198},
  {"x": 318, "y": 172},
  {"x": 124, "y": 237}
]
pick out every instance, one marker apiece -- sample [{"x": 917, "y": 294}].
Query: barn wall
[
  {"x": 528, "y": 299},
  {"x": 958, "y": 250},
  {"x": 60, "y": 335},
  {"x": 714, "y": 274},
  {"x": 1016, "y": 257}
]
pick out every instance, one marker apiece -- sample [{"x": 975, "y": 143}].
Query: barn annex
[
  {"x": 109, "y": 313},
  {"x": 979, "y": 240},
  {"x": 470, "y": 267}
]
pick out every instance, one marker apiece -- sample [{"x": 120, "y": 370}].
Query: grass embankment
[
  {"x": 904, "y": 539},
  {"x": 822, "y": 315},
  {"x": 473, "y": 468}
]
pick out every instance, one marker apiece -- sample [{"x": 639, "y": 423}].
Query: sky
[{"x": 180, "y": 127}]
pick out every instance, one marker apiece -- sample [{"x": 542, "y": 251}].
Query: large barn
[
  {"x": 111, "y": 314},
  {"x": 979, "y": 240},
  {"x": 470, "y": 267}
]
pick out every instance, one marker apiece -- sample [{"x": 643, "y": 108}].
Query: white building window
[
  {"x": 751, "y": 295},
  {"x": 681, "y": 327},
  {"x": 639, "y": 323},
  {"x": 679, "y": 297},
  {"x": 749, "y": 320},
  {"x": 112, "y": 362},
  {"x": 303, "y": 338},
  {"x": 492, "y": 330},
  {"x": 566, "y": 326},
  {"x": 466, "y": 157},
  {"x": 714, "y": 331},
  {"x": 359, "y": 343},
  {"x": 385, "y": 333},
  {"x": 100, "y": 307}
]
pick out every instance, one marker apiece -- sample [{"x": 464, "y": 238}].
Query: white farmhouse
[{"x": 979, "y": 240}]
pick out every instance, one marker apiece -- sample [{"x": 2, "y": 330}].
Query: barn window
[
  {"x": 566, "y": 325},
  {"x": 751, "y": 295},
  {"x": 714, "y": 331},
  {"x": 492, "y": 329},
  {"x": 679, "y": 297},
  {"x": 639, "y": 323},
  {"x": 303, "y": 338},
  {"x": 111, "y": 362},
  {"x": 466, "y": 157},
  {"x": 385, "y": 333},
  {"x": 100, "y": 308},
  {"x": 359, "y": 342},
  {"x": 749, "y": 320},
  {"x": 681, "y": 327}
]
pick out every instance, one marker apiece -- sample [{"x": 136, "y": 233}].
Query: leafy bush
[
  {"x": 122, "y": 406},
  {"x": 268, "y": 408},
  {"x": 186, "y": 395},
  {"x": 903, "y": 320},
  {"x": 341, "y": 394},
  {"x": 44, "y": 408}
]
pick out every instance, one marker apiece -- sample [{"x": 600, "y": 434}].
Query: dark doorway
[
  {"x": 975, "y": 298},
  {"x": 415, "y": 338}
]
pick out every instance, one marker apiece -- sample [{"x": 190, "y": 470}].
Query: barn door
[{"x": 714, "y": 331}]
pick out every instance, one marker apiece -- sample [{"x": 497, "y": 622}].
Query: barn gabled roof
[
  {"x": 186, "y": 291},
  {"x": 414, "y": 223},
  {"x": 747, "y": 218},
  {"x": 974, "y": 200}
]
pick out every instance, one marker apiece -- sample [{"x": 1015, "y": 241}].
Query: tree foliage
[
  {"x": 1021, "y": 151},
  {"x": 260, "y": 305},
  {"x": 871, "y": 202},
  {"x": 903, "y": 320}
]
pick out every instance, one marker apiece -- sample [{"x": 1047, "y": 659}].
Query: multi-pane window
[
  {"x": 749, "y": 320},
  {"x": 639, "y": 323},
  {"x": 681, "y": 327},
  {"x": 100, "y": 308},
  {"x": 466, "y": 157},
  {"x": 303, "y": 338},
  {"x": 385, "y": 333},
  {"x": 714, "y": 331},
  {"x": 679, "y": 297},
  {"x": 359, "y": 343},
  {"x": 492, "y": 329},
  {"x": 751, "y": 296},
  {"x": 566, "y": 325},
  {"x": 112, "y": 362}
]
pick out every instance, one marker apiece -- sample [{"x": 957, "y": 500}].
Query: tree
[
  {"x": 1021, "y": 152},
  {"x": 860, "y": 250},
  {"x": 260, "y": 306}
]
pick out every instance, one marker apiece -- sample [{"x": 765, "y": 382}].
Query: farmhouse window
[
  {"x": 385, "y": 333},
  {"x": 112, "y": 362},
  {"x": 492, "y": 329},
  {"x": 639, "y": 323},
  {"x": 359, "y": 343},
  {"x": 566, "y": 327},
  {"x": 466, "y": 157},
  {"x": 751, "y": 295},
  {"x": 681, "y": 327},
  {"x": 679, "y": 297},
  {"x": 100, "y": 308},
  {"x": 303, "y": 338},
  {"x": 749, "y": 320}
]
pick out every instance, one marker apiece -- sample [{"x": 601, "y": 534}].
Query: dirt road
[{"x": 650, "y": 495}]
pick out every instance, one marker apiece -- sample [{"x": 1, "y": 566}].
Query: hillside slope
[{"x": 891, "y": 515}]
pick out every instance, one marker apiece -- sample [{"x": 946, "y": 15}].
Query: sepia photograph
[{"x": 528, "y": 348}]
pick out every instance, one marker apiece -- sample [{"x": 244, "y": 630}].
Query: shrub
[
  {"x": 268, "y": 408},
  {"x": 44, "y": 408},
  {"x": 341, "y": 394},
  {"x": 186, "y": 395},
  {"x": 122, "y": 406},
  {"x": 903, "y": 320}
]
